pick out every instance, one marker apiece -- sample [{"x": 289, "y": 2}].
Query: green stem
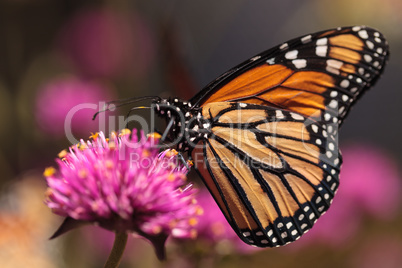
[{"x": 116, "y": 254}]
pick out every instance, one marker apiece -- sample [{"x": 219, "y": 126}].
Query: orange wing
[{"x": 318, "y": 75}]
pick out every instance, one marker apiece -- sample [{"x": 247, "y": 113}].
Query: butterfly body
[
  {"x": 188, "y": 124},
  {"x": 263, "y": 136}
]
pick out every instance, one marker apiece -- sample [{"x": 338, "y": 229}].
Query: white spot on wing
[
  {"x": 255, "y": 58},
  {"x": 271, "y": 61},
  {"x": 367, "y": 58},
  {"x": 300, "y": 63},
  {"x": 320, "y": 209},
  {"x": 363, "y": 34},
  {"x": 296, "y": 116},
  {"x": 321, "y": 51},
  {"x": 306, "y": 39},
  {"x": 284, "y": 46},
  {"x": 279, "y": 114},
  {"x": 336, "y": 161},
  {"x": 345, "y": 83},
  {"x": 369, "y": 44},
  {"x": 333, "y": 66},
  {"x": 322, "y": 42},
  {"x": 270, "y": 233},
  {"x": 291, "y": 55},
  {"x": 314, "y": 128},
  {"x": 379, "y": 50},
  {"x": 333, "y": 104}
]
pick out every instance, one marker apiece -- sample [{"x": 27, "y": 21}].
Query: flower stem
[{"x": 116, "y": 254}]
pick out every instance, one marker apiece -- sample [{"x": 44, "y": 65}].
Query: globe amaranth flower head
[{"x": 124, "y": 185}]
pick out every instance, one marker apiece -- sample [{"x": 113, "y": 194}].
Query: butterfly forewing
[
  {"x": 318, "y": 75},
  {"x": 268, "y": 169}
]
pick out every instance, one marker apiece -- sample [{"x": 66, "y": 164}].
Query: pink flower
[
  {"x": 370, "y": 180},
  {"x": 60, "y": 96},
  {"x": 123, "y": 184},
  {"x": 107, "y": 43},
  {"x": 379, "y": 252},
  {"x": 212, "y": 224},
  {"x": 370, "y": 184}
]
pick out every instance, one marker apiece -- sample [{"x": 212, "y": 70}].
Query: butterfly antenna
[{"x": 122, "y": 102}]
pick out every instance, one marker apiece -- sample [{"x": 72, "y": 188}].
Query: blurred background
[{"x": 55, "y": 55}]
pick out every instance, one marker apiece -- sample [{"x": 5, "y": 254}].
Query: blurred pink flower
[
  {"x": 212, "y": 225},
  {"x": 107, "y": 43},
  {"x": 370, "y": 184},
  {"x": 370, "y": 180},
  {"x": 384, "y": 252},
  {"x": 59, "y": 96}
]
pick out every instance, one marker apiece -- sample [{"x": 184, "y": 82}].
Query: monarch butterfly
[{"x": 263, "y": 136}]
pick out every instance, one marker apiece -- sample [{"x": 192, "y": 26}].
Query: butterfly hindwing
[
  {"x": 318, "y": 75},
  {"x": 268, "y": 169}
]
